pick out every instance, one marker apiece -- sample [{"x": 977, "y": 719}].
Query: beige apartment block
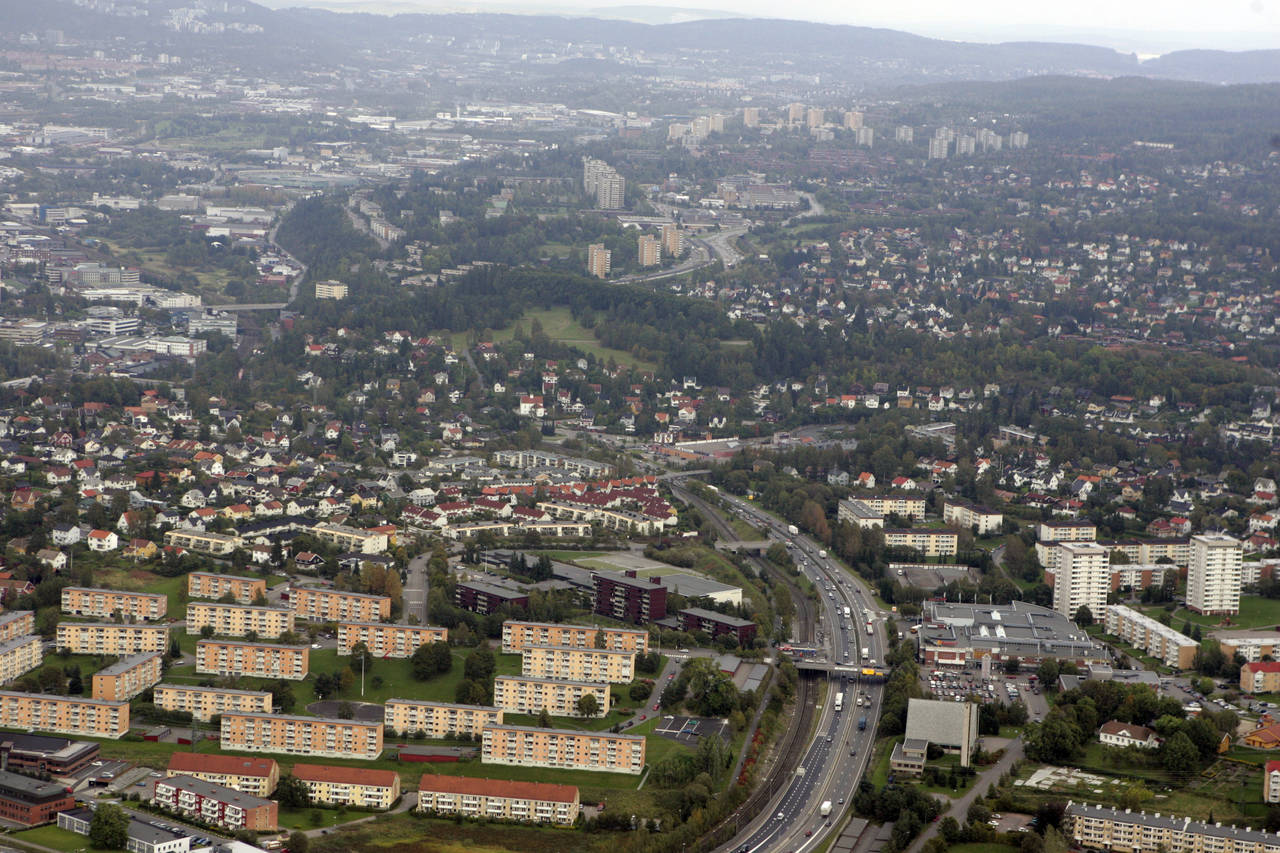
[
  {"x": 571, "y": 749},
  {"x": 1142, "y": 632},
  {"x": 312, "y": 736},
  {"x": 257, "y": 660},
  {"x": 349, "y": 786},
  {"x": 16, "y": 623},
  {"x": 203, "y": 703},
  {"x": 128, "y": 677},
  {"x": 109, "y": 603},
  {"x": 578, "y": 664},
  {"x": 518, "y": 636},
  {"x": 388, "y": 641},
  {"x": 351, "y": 538},
  {"x": 239, "y": 620},
  {"x": 557, "y": 696},
  {"x": 19, "y": 656},
  {"x": 202, "y": 542},
  {"x": 438, "y": 719},
  {"x": 109, "y": 638},
  {"x": 244, "y": 590},
  {"x": 334, "y": 605},
  {"x": 67, "y": 715},
  {"x": 498, "y": 799},
  {"x": 929, "y": 542}
]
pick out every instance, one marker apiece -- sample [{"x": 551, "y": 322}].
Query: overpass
[{"x": 874, "y": 674}]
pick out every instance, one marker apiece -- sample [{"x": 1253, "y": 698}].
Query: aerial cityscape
[{"x": 441, "y": 432}]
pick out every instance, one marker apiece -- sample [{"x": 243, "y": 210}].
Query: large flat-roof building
[
  {"x": 481, "y": 597},
  {"x": 239, "y": 620},
  {"x": 498, "y": 799},
  {"x": 567, "y": 748},
  {"x": 244, "y": 590},
  {"x": 257, "y": 660},
  {"x": 204, "y": 703},
  {"x": 110, "y": 638},
  {"x": 31, "y": 802},
  {"x": 1214, "y": 575},
  {"x": 257, "y": 776},
  {"x": 716, "y": 624},
  {"x": 110, "y": 603},
  {"x": 438, "y": 719},
  {"x": 214, "y": 804},
  {"x": 384, "y": 640},
  {"x": 1142, "y": 632},
  {"x": 314, "y": 736},
  {"x": 128, "y": 677},
  {"x": 143, "y": 836},
  {"x": 1082, "y": 578},
  {"x": 950, "y": 725},
  {"x": 57, "y": 756},
  {"x": 517, "y": 636},
  {"x": 960, "y": 634},
  {"x": 559, "y": 697}
]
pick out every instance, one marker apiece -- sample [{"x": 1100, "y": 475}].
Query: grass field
[
  {"x": 302, "y": 818},
  {"x": 409, "y": 834},
  {"x": 51, "y": 836},
  {"x": 559, "y": 325},
  {"x": 1255, "y": 612},
  {"x": 880, "y": 761}
]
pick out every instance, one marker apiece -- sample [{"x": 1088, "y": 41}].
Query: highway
[{"x": 837, "y": 756}]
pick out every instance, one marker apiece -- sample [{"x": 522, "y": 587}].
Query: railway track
[{"x": 791, "y": 748}]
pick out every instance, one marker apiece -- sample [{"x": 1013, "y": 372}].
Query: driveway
[
  {"x": 407, "y": 801},
  {"x": 960, "y": 807}
]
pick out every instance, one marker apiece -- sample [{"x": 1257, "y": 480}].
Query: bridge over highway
[{"x": 872, "y": 674}]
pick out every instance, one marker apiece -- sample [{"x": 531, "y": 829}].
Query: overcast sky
[{"x": 1143, "y": 26}]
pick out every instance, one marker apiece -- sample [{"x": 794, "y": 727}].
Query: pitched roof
[
  {"x": 498, "y": 788},
  {"x": 345, "y": 775},
  {"x": 1129, "y": 730},
  {"x": 230, "y": 765}
]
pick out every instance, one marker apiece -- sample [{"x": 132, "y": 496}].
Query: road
[
  {"x": 960, "y": 806},
  {"x": 700, "y": 256},
  {"x": 415, "y": 589},
  {"x": 838, "y": 753}
]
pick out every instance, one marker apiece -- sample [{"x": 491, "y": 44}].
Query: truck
[
  {"x": 862, "y": 723},
  {"x": 793, "y": 530},
  {"x": 839, "y": 702},
  {"x": 825, "y": 811},
  {"x": 866, "y": 652},
  {"x": 822, "y": 554},
  {"x": 868, "y": 629}
]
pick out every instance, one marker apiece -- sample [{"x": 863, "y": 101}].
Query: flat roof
[
  {"x": 221, "y": 793},
  {"x": 233, "y": 606},
  {"x": 575, "y": 732},
  {"x": 120, "y": 625},
  {"x": 113, "y": 591},
  {"x": 299, "y": 719},
  {"x": 342, "y": 623},
  {"x": 553, "y": 647},
  {"x": 429, "y": 703},
  {"x": 33, "y": 787},
  {"x": 128, "y": 663},
  {"x": 250, "y": 645},
  {"x": 574, "y": 627},
  {"x": 723, "y": 619},
  {"x": 594, "y": 685},
  {"x": 204, "y": 689},
  {"x": 49, "y": 697}
]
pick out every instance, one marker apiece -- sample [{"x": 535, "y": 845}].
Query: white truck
[
  {"x": 825, "y": 811},
  {"x": 793, "y": 530}
]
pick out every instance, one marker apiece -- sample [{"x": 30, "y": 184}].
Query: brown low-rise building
[{"x": 31, "y": 802}]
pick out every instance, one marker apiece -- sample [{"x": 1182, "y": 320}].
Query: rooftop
[{"x": 498, "y": 788}]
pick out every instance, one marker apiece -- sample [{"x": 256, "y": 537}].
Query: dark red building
[
  {"x": 487, "y": 598},
  {"x": 714, "y": 624},
  {"x": 31, "y": 802},
  {"x": 630, "y": 599}
]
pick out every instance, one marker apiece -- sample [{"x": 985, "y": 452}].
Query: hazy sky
[{"x": 1145, "y": 26}]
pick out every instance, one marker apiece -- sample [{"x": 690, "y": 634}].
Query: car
[
  {"x": 828, "y": 738},
  {"x": 655, "y": 706},
  {"x": 808, "y": 832},
  {"x": 780, "y": 816},
  {"x": 642, "y": 716}
]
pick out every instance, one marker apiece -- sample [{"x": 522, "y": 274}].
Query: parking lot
[{"x": 956, "y": 686}]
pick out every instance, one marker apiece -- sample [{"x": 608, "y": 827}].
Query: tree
[
  {"x": 1180, "y": 756},
  {"x": 293, "y": 793},
  {"x": 298, "y": 842},
  {"x": 430, "y": 660},
  {"x": 480, "y": 664},
  {"x": 544, "y": 719},
  {"x": 1084, "y": 616},
  {"x": 360, "y": 652},
  {"x": 588, "y": 705},
  {"x": 1012, "y": 665},
  {"x": 109, "y": 827}
]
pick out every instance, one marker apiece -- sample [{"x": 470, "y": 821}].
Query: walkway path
[{"x": 960, "y": 807}]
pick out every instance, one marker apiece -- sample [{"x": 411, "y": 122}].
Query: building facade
[
  {"x": 257, "y": 776},
  {"x": 314, "y": 736},
  {"x": 257, "y": 660},
  {"x": 1159, "y": 640},
  {"x": 566, "y": 748},
  {"x": 128, "y": 677},
  {"x": 349, "y": 786},
  {"x": 66, "y": 715},
  {"x": 1214, "y": 575},
  {"x": 244, "y": 590},
  {"x": 629, "y": 599},
  {"x": 203, "y": 703},
  {"x": 200, "y": 541},
  {"x": 109, "y": 638},
  {"x": 567, "y": 662},
  {"x": 334, "y": 605},
  {"x": 109, "y": 603},
  {"x": 557, "y": 696},
  {"x": 16, "y": 623},
  {"x": 438, "y": 719},
  {"x": 351, "y": 538},
  {"x": 518, "y": 636},
  {"x": 497, "y": 799},
  {"x": 1082, "y": 579},
  {"x": 928, "y": 542},
  {"x": 385, "y": 640},
  {"x": 19, "y": 656},
  {"x": 1127, "y": 831},
  {"x": 215, "y": 805},
  {"x": 239, "y": 620},
  {"x": 717, "y": 624},
  {"x": 480, "y": 597},
  {"x": 31, "y": 802},
  {"x": 985, "y": 522}
]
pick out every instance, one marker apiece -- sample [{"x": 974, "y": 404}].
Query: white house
[
  {"x": 103, "y": 540},
  {"x": 1115, "y": 733}
]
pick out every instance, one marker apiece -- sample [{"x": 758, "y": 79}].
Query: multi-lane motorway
[{"x": 837, "y": 756}]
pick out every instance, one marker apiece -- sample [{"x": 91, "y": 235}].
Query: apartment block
[
  {"x": 599, "y": 260},
  {"x": 648, "y": 250},
  {"x": 1157, "y": 639},
  {"x": 559, "y": 697},
  {"x": 331, "y": 290},
  {"x": 388, "y": 641},
  {"x": 716, "y": 624},
  {"x": 257, "y": 776},
  {"x": 480, "y": 597},
  {"x": 1214, "y": 575},
  {"x": 438, "y": 719},
  {"x": 215, "y": 805},
  {"x": 203, "y": 703},
  {"x": 1106, "y": 828},
  {"x": 109, "y": 638},
  {"x": 929, "y": 542},
  {"x": 1260, "y": 677},
  {"x": 1148, "y": 551},
  {"x": 1050, "y": 533},
  {"x": 351, "y": 538},
  {"x": 334, "y": 605},
  {"x": 907, "y": 506},
  {"x": 245, "y": 590},
  {"x": 349, "y": 786},
  {"x": 497, "y": 799},
  {"x": 257, "y": 660},
  {"x": 128, "y": 677},
  {"x": 629, "y": 599},
  {"x": 313, "y": 736},
  {"x": 1252, "y": 647},
  {"x": 16, "y": 623},
  {"x": 1082, "y": 578},
  {"x": 67, "y": 715},
  {"x": 192, "y": 539},
  {"x": 239, "y": 620},
  {"x": 110, "y": 603},
  {"x": 518, "y": 636},
  {"x": 972, "y": 517},
  {"x": 575, "y": 664},
  {"x": 574, "y": 750},
  {"x": 19, "y": 656}
]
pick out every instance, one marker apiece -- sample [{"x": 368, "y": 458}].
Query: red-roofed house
[
  {"x": 349, "y": 786},
  {"x": 1260, "y": 677},
  {"x": 1271, "y": 782},
  {"x": 103, "y": 540},
  {"x": 537, "y": 802},
  {"x": 257, "y": 776}
]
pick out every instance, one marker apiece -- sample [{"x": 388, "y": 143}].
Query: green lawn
[
  {"x": 301, "y": 818},
  {"x": 51, "y": 836},
  {"x": 880, "y": 761},
  {"x": 1255, "y": 612},
  {"x": 980, "y": 847}
]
